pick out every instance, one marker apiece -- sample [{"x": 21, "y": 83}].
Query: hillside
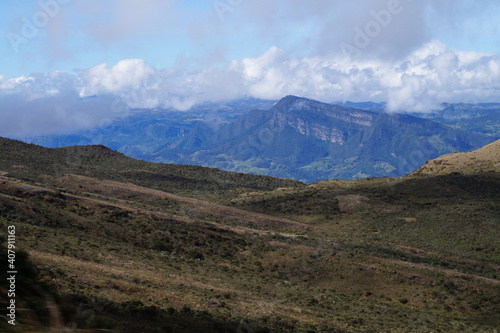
[
  {"x": 33, "y": 162},
  {"x": 111, "y": 252},
  {"x": 485, "y": 159}
]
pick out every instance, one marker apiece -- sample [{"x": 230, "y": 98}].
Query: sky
[{"x": 70, "y": 64}]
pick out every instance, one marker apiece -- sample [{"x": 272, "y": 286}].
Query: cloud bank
[{"x": 63, "y": 102}]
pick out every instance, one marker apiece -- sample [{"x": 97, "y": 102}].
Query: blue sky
[
  {"x": 84, "y": 33},
  {"x": 175, "y": 54}
]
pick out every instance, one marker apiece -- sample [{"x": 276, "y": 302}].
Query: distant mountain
[
  {"x": 310, "y": 141},
  {"x": 481, "y": 118},
  {"x": 451, "y": 112},
  {"x": 485, "y": 159},
  {"x": 295, "y": 138},
  {"x": 368, "y": 106},
  {"x": 145, "y": 131},
  {"x": 488, "y": 124}
]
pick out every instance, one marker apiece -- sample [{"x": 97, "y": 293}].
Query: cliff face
[
  {"x": 295, "y": 106},
  {"x": 318, "y": 120}
]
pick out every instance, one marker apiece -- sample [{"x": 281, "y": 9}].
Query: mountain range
[
  {"x": 481, "y": 118},
  {"x": 310, "y": 141},
  {"x": 296, "y": 137}
]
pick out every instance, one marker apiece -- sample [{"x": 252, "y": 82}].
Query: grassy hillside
[
  {"x": 414, "y": 254},
  {"x": 33, "y": 162},
  {"x": 484, "y": 159}
]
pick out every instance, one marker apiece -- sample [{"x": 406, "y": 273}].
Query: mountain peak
[
  {"x": 291, "y": 99},
  {"x": 296, "y": 103},
  {"x": 305, "y": 110}
]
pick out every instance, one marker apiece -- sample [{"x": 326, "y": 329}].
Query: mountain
[
  {"x": 488, "y": 124},
  {"x": 105, "y": 243},
  {"x": 310, "y": 141},
  {"x": 485, "y": 159}
]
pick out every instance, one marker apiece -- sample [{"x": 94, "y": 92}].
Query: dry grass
[
  {"x": 393, "y": 255},
  {"x": 485, "y": 159}
]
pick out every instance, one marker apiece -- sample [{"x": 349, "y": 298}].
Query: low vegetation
[{"x": 109, "y": 252}]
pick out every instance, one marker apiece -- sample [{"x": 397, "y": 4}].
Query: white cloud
[
  {"x": 428, "y": 76},
  {"x": 44, "y": 104},
  {"x": 253, "y": 68},
  {"x": 58, "y": 114},
  {"x": 126, "y": 74}
]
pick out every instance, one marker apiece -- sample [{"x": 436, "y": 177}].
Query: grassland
[
  {"x": 114, "y": 250},
  {"x": 484, "y": 159}
]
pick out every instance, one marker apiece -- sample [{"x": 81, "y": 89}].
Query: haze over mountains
[
  {"x": 481, "y": 118},
  {"x": 297, "y": 138}
]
